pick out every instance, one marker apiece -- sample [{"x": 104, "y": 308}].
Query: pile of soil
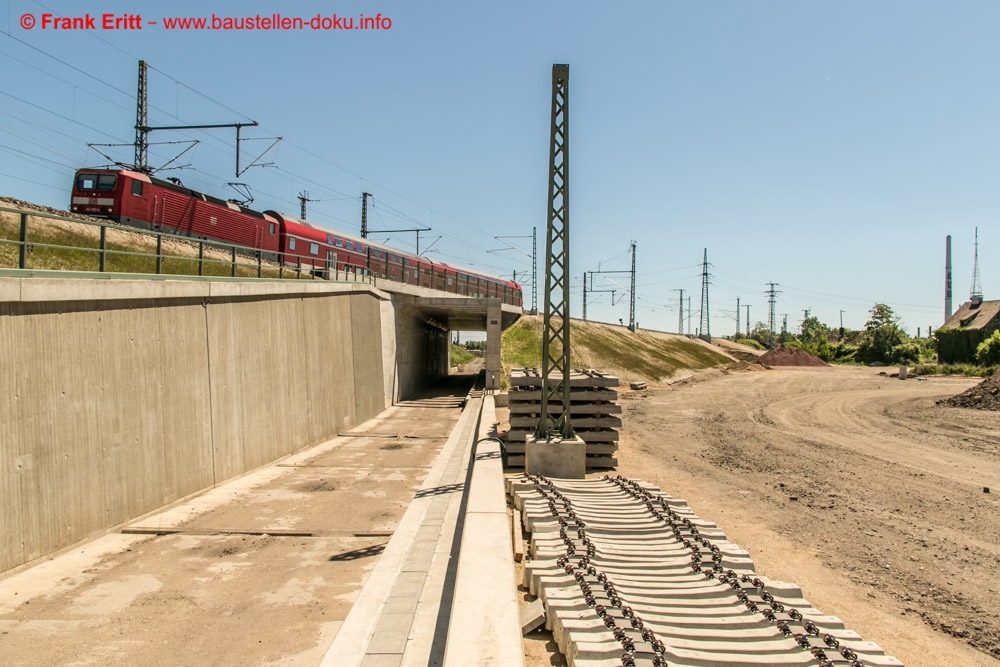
[
  {"x": 984, "y": 396},
  {"x": 790, "y": 356},
  {"x": 744, "y": 366}
]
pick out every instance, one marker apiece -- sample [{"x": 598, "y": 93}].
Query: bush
[
  {"x": 957, "y": 346},
  {"x": 750, "y": 342},
  {"x": 844, "y": 353},
  {"x": 988, "y": 352},
  {"x": 953, "y": 369},
  {"x": 906, "y": 353}
]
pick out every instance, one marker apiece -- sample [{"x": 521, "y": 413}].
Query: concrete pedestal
[{"x": 556, "y": 457}]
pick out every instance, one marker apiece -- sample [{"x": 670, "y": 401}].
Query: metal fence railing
[{"x": 44, "y": 241}]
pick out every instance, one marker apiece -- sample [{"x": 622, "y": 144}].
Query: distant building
[{"x": 967, "y": 327}]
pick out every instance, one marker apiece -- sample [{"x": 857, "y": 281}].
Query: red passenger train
[{"x": 139, "y": 200}]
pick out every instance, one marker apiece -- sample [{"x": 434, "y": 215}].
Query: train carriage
[{"x": 139, "y": 200}]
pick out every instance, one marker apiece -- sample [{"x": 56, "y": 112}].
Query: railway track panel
[{"x": 631, "y": 577}]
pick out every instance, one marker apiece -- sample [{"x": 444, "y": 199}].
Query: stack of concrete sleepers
[
  {"x": 594, "y": 413},
  {"x": 630, "y": 576}
]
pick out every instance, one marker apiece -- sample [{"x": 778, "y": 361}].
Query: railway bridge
[{"x": 124, "y": 394}]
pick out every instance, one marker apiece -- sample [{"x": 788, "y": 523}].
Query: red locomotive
[{"x": 139, "y": 200}]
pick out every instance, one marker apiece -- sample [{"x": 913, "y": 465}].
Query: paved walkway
[{"x": 265, "y": 569}]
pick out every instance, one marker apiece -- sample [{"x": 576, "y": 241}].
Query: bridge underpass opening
[{"x": 450, "y": 314}]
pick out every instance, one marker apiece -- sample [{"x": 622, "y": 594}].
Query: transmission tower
[
  {"x": 976, "y": 293},
  {"x": 303, "y": 199},
  {"x": 631, "y": 272},
  {"x": 772, "y": 295},
  {"x": 142, "y": 130},
  {"x": 555, "y": 341},
  {"x": 364, "y": 214},
  {"x": 737, "y": 317},
  {"x": 534, "y": 266},
  {"x": 534, "y": 272},
  {"x": 631, "y": 307},
  {"x": 703, "y": 324},
  {"x": 680, "y": 312},
  {"x": 141, "y": 122}
]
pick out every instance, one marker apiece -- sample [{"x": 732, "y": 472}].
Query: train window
[
  {"x": 137, "y": 188},
  {"x": 105, "y": 182},
  {"x": 313, "y": 248},
  {"x": 449, "y": 281},
  {"x": 329, "y": 239},
  {"x": 270, "y": 229},
  {"x": 291, "y": 243},
  {"x": 339, "y": 242}
]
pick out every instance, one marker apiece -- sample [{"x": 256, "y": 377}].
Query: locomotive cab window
[
  {"x": 291, "y": 243},
  {"x": 137, "y": 188},
  {"x": 270, "y": 229},
  {"x": 100, "y": 182}
]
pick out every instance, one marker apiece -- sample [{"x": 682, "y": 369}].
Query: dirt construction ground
[{"x": 854, "y": 485}]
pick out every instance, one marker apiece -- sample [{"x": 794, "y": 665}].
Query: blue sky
[{"x": 828, "y": 147}]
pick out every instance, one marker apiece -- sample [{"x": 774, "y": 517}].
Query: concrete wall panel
[
  {"x": 367, "y": 327},
  {"x": 388, "y": 332},
  {"x": 111, "y": 408},
  {"x": 92, "y": 415}
]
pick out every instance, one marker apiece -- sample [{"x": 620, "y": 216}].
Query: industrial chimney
[{"x": 947, "y": 278}]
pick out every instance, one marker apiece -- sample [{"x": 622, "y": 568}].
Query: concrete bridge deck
[{"x": 266, "y": 568}]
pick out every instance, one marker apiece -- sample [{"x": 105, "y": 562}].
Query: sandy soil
[{"x": 856, "y": 486}]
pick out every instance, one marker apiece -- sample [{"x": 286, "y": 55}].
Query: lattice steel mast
[
  {"x": 141, "y": 115},
  {"x": 704, "y": 328},
  {"x": 976, "y": 293},
  {"x": 772, "y": 296},
  {"x": 555, "y": 339}
]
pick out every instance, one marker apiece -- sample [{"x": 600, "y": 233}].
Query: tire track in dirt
[{"x": 861, "y": 480}]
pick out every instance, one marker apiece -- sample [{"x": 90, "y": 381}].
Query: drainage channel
[{"x": 631, "y": 577}]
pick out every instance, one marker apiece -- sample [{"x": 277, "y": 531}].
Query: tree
[
  {"x": 813, "y": 331},
  {"x": 761, "y": 333},
  {"x": 881, "y": 336},
  {"x": 988, "y": 352}
]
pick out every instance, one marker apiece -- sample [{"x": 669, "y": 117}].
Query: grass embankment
[
  {"x": 459, "y": 355},
  {"x": 644, "y": 355},
  {"x": 127, "y": 251}
]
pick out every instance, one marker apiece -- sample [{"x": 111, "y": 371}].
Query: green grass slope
[
  {"x": 644, "y": 355},
  {"x": 459, "y": 355}
]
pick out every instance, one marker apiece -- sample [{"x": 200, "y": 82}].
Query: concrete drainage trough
[{"x": 631, "y": 577}]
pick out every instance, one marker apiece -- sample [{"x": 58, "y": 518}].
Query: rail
[{"x": 628, "y": 573}]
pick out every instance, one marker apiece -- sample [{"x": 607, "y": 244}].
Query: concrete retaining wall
[
  {"x": 120, "y": 396},
  {"x": 422, "y": 353}
]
